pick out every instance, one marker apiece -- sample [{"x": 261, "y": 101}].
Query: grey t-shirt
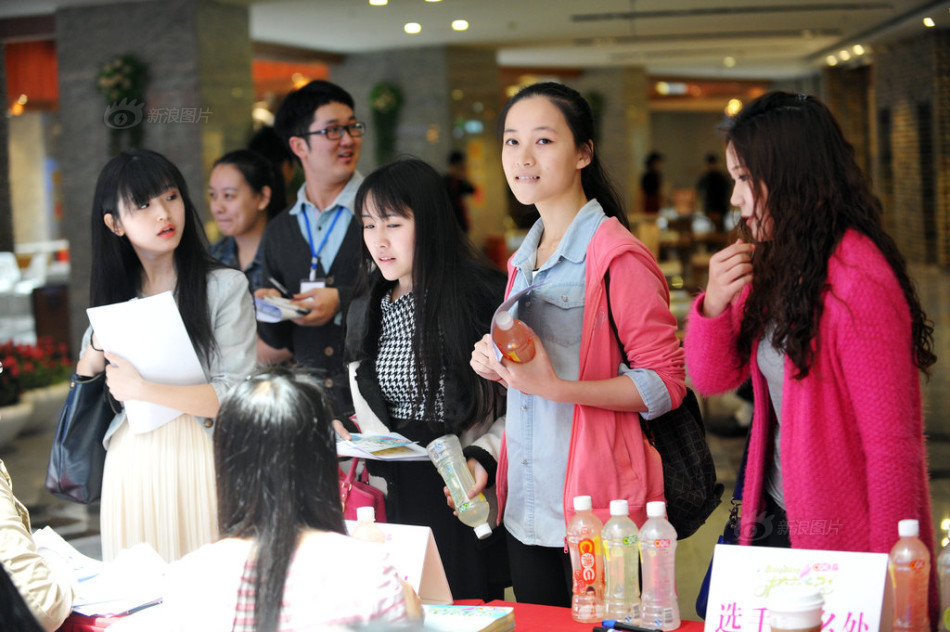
[{"x": 772, "y": 365}]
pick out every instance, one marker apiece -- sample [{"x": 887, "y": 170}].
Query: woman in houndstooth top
[{"x": 427, "y": 297}]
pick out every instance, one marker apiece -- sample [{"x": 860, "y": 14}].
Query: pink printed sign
[{"x": 743, "y": 577}]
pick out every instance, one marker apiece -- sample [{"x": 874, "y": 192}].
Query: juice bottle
[
  {"x": 366, "y": 528},
  {"x": 621, "y": 541},
  {"x": 513, "y": 338},
  {"x": 659, "y": 606},
  {"x": 583, "y": 540},
  {"x": 909, "y": 570},
  {"x": 446, "y": 453},
  {"x": 943, "y": 575}
]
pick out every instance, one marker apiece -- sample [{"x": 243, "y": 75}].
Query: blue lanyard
[{"x": 315, "y": 254}]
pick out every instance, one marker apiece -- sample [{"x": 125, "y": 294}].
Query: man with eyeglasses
[{"x": 311, "y": 252}]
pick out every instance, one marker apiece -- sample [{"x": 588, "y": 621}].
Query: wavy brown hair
[{"x": 793, "y": 148}]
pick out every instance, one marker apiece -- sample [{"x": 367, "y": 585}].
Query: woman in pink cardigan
[{"x": 815, "y": 303}]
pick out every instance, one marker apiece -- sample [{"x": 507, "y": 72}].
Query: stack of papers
[
  {"x": 381, "y": 447},
  {"x": 469, "y": 618},
  {"x": 274, "y": 309},
  {"x": 130, "y": 582}
]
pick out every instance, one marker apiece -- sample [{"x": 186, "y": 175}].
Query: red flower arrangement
[{"x": 27, "y": 367}]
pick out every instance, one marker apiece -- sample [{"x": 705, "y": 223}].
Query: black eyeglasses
[{"x": 335, "y": 132}]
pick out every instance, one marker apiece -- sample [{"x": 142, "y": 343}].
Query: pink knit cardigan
[{"x": 852, "y": 444}]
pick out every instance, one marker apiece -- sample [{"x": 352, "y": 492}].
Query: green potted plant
[{"x": 385, "y": 100}]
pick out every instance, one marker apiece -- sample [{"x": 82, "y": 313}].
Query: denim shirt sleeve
[{"x": 652, "y": 390}]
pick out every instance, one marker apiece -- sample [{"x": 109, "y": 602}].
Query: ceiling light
[
  {"x": 844, "y": 55},
  {"x": 433, "y": 0},
  {"x": 412, "y": 28},
  {"x": 928, "y": 22},
  {"x": 831, "y": 60},
  {"x": 729, "y": 62},
  {"x": 662, "y": 87},
  {"x": 858, "y": 49},
  {"x": 378, "y": 3},
  {"x": 733, "y": 107},
  {"x": 459, "y": 25}
]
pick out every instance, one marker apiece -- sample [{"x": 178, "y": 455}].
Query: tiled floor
[{"x": 27, "y": 456}]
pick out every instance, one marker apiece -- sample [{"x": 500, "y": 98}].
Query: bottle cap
[
  {"x": 503, "y": 320},
  {"x": 908, "y": 528},
  {"x": 366, "y": 514},
  {"x": 656, "y": 509},
  {"x": 482, "y": 530},
  {"x": 619, "y": 508},
  {"x": 582, "y": 503}
]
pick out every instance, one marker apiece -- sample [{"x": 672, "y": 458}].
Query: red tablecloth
[{"x": 528, "y": 618}]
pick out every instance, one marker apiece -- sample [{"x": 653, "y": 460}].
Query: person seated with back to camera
[{"x": 285, "y": 561}]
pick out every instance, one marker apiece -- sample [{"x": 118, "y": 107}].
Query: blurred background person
[
  {"x": 458, "y": 186},
  {"x": 245, "y": 192},
  {"x": 651, "y": 184},
  {"x": 714, "y": 188}
]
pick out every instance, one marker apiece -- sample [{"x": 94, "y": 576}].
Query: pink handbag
[{"x": 357, "y": 492}]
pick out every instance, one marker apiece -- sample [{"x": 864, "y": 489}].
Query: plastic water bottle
[
  {"x": 583, "y": 540},
  {"x": 513, "y": 338},
  {"x": 909, "y": 569},
  {"x": 621, "y": 540},
  {"x": 446, "y": 453},
  {"x": 943, "y": 574},
  {"x": 659, "y": 607},
  {"x": 366, "y": 528}
]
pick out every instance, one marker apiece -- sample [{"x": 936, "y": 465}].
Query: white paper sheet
[{"x": 151, "y": 335}]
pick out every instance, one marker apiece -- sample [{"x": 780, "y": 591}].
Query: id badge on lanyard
[{"x": 314, "y": 281}]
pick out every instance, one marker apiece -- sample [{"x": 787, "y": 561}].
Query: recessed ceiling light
[
  {"x": 831, "y": 60},
  {"x": 858, "y": 49},
  {"x": 844, "y": 55},
  {"x": 378, "y": 3},
  {"x": 729, "y": 62},
  {"x": 412, "y": 28},
  {"x": 459, "y": 25},
  {"x": 929, "y": 22}
]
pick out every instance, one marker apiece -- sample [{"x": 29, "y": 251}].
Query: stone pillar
[
  {"x": 6, "y": 210},
  {"x": 428, "y": 78},
  {"x": 624, "y": 124},
  {"x": 197, "y": 104},
  {"x": 912, "y": 164}
]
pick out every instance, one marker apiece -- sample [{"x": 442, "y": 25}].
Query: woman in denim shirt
[{"x": 572, "y": 424}]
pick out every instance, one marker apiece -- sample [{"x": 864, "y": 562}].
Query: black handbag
[
  {"x": 689, "y": 473},
  {"x": 77, "y": 457}
]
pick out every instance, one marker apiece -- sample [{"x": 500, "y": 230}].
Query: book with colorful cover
[
  {"x": 383, "y": 447},
  {"x": 469, "y": 618}
]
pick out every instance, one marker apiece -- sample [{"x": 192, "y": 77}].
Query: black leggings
[{"x": 540, "y": 574}]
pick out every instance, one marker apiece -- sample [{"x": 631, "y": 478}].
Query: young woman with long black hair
[
  {"x": 158, "y": 486},
  {"x": 427, "y": 298},
  {"x": 605, "y": 338}
]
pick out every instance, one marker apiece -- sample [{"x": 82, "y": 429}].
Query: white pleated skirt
[{"x": 159, "y": 487}]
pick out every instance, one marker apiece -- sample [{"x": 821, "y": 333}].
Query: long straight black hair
[
  {"x": 133, "y": 178},
  {"x": 277, "y": 474},
  {"x": 452, "y": 284},
  {"x": 580, "y": 119}
]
